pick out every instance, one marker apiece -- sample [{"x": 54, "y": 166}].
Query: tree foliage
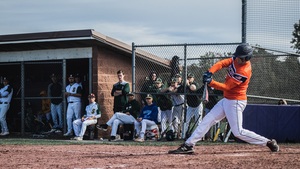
[{"x": 296, "y": 39}]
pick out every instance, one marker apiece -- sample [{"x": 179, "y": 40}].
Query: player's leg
[
  {"x": 84, "y": 126},
  {"x": 3, "y": 111},
  {"x": 59, "y": 109},
  {"x": 234, "y": 113},
  {"x": 189, "y": 115},
  {"x": 69, "y": 119},
  {"x": 114, "y": 127},
  {"x": 77, "y": 110},
  {"x": 163, "y": 121},
  {"x": 137, "y": 128},
  {"x": 77, "y": 126},
  {"x": 169, "y": 119},
  {"x": 54, "y": 115},
  {"x": 216, "y": 114}
]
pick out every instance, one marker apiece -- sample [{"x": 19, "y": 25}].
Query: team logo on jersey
[
  {"x": 93, "y": 111},
  {"x": 232, "y": 73},
  {"x": 73, "y": 89}
]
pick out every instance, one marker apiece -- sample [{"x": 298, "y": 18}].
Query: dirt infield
[{"x": 236, "y": 155}]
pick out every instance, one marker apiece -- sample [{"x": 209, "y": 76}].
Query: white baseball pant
[
  {"x": 80, "y": 127},
  {"x": 3, "y": 110},
  {"x": 233, "y": 111},
  {"x": 117, "y": 119},
  {"x": 140, "y": 127},
  {"x": 74, "y": 109}
]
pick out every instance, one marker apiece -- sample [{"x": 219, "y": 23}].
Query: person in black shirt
[{"x": 55, "y": 90}]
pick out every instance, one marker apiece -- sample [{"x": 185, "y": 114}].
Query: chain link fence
[{"x": 270, "y": 23}]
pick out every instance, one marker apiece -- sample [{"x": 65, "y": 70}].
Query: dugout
[{"x": 29, "y": 59}]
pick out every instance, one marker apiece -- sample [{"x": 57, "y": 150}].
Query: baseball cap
[
  {"x": 71, "y": 76},
  {"x": 173, "y": 80},
  {"x": 130, "y": 94},
  {"x": 178, "y": 75},
  {"x": 158, "y": 80},
  {"x": 91, "y": 95},
  {"x": 191, "y": 75},
  {"x": 149, "y": 96}
]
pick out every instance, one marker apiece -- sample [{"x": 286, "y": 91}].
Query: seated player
[
  {"x": 92, "y": 114},
  {"x": 128, "y": 116},
  {"x": 148, "y": 117}
]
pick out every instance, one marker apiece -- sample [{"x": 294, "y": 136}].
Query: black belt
[
  {"x": 72, "y": 102},
  {"x": 3, "y": 102},
  {"x": 179, "y": 105}
]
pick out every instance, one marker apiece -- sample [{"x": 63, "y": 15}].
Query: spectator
[
  {"x": 194, "y": 108},
  {"x": 6, "y": 93},
  {"x": 73, "y": 94},
  {"x": 119, "y": 91},
  {"x": 164, "y": 103},
  {"x": 92, "y": 113},
  {"x": 178, "y": 102},
  {"x": 127, "y": 116},
  {"x": 282, "y": 102},
  {"x": 148, "y": 117},
  {"x": 179, "y": 79},
  {"x": 55, "y": 90},
  {"x": 148, "y": 85}
]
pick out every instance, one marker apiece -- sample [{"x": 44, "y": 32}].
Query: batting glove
[{"x": 207, "y": 77}]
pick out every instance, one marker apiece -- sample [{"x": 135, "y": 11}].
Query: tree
[{"x": 296, "y": 39}]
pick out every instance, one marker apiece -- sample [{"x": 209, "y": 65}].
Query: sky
[{"x": 138, "y": 21}]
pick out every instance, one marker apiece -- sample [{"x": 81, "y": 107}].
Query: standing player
[
  {"x": 178, "y": 101},
  {"x": 232, "y": 105},
  {"x": 73, "y": 94},
  {"x": 119, "y": 91},
  {"x": 195, "y": 107},
  {"x": 5, "y": 97},
  {"x": 55, "y": 90}
]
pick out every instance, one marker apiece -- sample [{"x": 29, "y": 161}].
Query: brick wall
[{"x": 106, "y": 63}]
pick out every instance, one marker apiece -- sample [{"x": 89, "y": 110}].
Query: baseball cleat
[
  {"x": 4, "y": 133},
  {"x": 78, "y": 138},
  {"x": 273, "y": 146},
  {"x": 102, "y": 127},
  {"x": 68, "y": 134},
  {"x": 183, "y": 149},
  {"x": 52, "y": 130},
  {"x": 139, "y": 139}
]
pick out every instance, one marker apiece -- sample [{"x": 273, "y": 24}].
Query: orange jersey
[{"x": 237, "y": 78}]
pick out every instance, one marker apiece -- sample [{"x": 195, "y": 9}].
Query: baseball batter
[
  {"x": 232, "y": 105},
  {"x": 5, "y": 97},
  {"x": 73, "y": 94}
]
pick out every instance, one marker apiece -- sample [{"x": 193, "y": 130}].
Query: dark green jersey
[{"x": 121, "y": 100}]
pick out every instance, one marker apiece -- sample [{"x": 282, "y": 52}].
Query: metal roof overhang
[{"x": 68, "y": 39}]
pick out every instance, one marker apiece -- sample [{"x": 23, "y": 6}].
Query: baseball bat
[
  {"x": 205, "y": 94},
  {"x": 217, "y": 134}
]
